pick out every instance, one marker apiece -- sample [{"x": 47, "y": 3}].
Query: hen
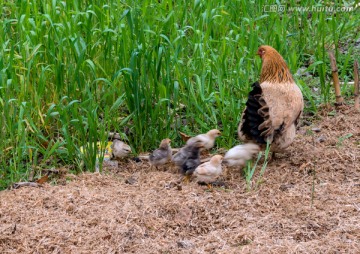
[{"x": 274, "y": 105}]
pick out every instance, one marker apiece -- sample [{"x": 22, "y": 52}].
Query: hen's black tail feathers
[{"x": 252, "y": 119}]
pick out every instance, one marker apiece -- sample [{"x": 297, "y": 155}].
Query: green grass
[
  {"x": 70, "y": 71},
  {"x": 249, "y": 169}
]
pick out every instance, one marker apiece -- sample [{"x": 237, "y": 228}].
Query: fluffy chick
[
  {"x": 208, "y": 139},
  {"x": 120, "y": 150},
  {"x": 238, "y": 155},
  {"x": 188, "y": 157},
  {"x": 209, "y": 171},
  {"x": 161, "y": 155}
]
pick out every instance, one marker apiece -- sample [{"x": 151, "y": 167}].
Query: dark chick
[
  {"x": 188, "y": 158},
  {"x": 161, "y": 155}
]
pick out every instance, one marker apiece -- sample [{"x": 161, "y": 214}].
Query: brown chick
[
  {"x": 274, "y": 105},
  {"x": 162, "y": 155},
  {"x": 120, "y": 150},
  {"x": 208, "y": 139}
]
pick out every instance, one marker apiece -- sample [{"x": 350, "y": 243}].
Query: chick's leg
[
  {"x": 272, "y": 157},
  {"x": 150, "y": 168},
  {"x": 187, "y": 178}
]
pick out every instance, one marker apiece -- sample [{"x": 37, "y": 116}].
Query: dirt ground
[{"x": 308, "y": 202}]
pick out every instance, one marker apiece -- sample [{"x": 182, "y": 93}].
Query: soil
[{"x": 308, "y": 201}]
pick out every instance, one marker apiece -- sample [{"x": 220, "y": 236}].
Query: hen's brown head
[
  {"x": 261, "y": 51},
  {"x": 274, "y": 68}
]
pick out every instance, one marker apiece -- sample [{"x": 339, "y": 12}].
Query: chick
[
  {"x": 209, "y": 171},
  {"x": 120, "y": 150},
  {"x": 161, "y": 155},
  {"x": 188, "y": 158},
  {"x": 238, "y": 155},
  {"x": 208, "y": 139}
]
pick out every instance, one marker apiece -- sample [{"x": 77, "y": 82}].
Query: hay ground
[{"x": 308, "y": 202}]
